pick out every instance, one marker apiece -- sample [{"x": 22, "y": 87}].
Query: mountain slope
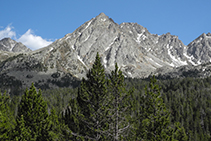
[
  {"x": 9, "y": 48},
  {"x": 10, "y": 45},
  {"x": 137, "y": 52},
  {"x": 200, "y": 49}
]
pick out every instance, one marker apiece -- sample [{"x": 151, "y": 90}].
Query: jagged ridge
[{"x": 137, "y": 52}]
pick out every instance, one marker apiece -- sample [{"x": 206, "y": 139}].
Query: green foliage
[
  {"x": 4, "y": 131},
  {"x": 33, "y": 110},
  {"x": 178, "y": 133},
  {"x": 105, "y": 108},
  {"x": 90, "y": 106},
  {"x": 6, "y": 118},
  {"x": 21, "y": 131},
  {"x": 101, "y": 110},
  {"x": 153, "y": 115},
  {"x": 58, "y": 99},
  {"x": 188, "y": 100},
  {"x": 120, "y": 106},
  {"x": 59, "y": 131}
]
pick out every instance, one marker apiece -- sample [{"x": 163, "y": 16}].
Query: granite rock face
[
  {"x": 10, "y": 45},
  {"x": 137, "y": 52},
  {"x": 200, "y": 49}
]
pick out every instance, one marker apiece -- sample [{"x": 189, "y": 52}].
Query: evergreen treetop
[{"x": 32, "y": 113}]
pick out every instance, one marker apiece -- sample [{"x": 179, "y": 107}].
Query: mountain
[
  {"x": 200, "y": 49},
  {"x": 138, "y": 53},
  {"x": 9, "y": 48},
  {"x": 10, "y": 45}
]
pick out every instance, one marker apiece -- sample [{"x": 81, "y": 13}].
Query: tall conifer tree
[
  {"x": 6, "y": 118},
  {"x": 154, "y": 117},
  {"x": 87, "y": 113},
  {"x": 21, "y": 132},
  {"x": 59, "y": 131},
  {"x": 33, "y": 110},
  {"x": 91, "y": 100},
  {"x": 119, "y": 106}
]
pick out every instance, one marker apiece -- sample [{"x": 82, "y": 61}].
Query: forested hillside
[
  {"x": 110, "y": 108},
  {"x": 188, "y": 100}
]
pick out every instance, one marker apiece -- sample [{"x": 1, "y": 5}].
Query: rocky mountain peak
[
  {"x": 136, "y": 51},
  {"x": 200, "y": 49},
  {"x": 7, "y": 44},
  {"x": 102, "y": 17},
  {"x": 209, "y": 34}
]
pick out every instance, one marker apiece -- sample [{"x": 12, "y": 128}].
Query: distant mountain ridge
[
  {"x": 137, "y": 52},
  {"x": 200, "y": 49},
  {"x": 10, "y": 45}
]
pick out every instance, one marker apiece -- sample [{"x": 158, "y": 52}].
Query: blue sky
[{"x": 37, "y": 23}]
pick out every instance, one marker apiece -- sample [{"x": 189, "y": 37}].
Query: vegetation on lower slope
[{"x": 111, "y": 108}]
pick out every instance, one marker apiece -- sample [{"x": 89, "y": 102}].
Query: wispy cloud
[
  {"x": 33, "y": 41},
  {"x": 7, "y": 32},
  {"x": 29, "y": 39}
]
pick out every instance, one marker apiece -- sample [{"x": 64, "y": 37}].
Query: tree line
[{"x": 110, "y": 108}]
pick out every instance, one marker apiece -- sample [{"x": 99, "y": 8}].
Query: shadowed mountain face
[{"x": 137, "y": 52}]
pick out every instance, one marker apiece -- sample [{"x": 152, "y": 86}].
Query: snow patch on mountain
[
  {"x": 208, "y": 37},
  {"x": 12, "y": 46},
  {"x": 189, "y": 58},
  {"x": 68, "y": 37},
  {"x": 105, "y": 62},
  {"x": 176, "y": 62},
  {"x": 88, "y": 24},
  {"x": 51, "y": 49},
  {"x": 138, "y": 39},
  {"x": 103, "y": 20},
  {"x": 79, "y": 58},
  {"x": 109, "y": 46}
]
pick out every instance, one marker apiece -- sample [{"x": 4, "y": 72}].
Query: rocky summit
[
  {"x": 136, "y": 51},
  {"x": 10, "y": 45}
]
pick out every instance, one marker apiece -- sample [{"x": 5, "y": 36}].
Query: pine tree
[
  {"x": 89, "y": 109},
  {"x": 59, "y": 131},
  {"x": 178, "y": 133},
  {"x": 119, "y": 106},
  {"x": 70, "y": 116},
  {"x": 22, "y": 133},
  {"x": 91, "y": 100},
  {"x": 6, "y": 118},
  {"x": 33, "y": 110},
  {"x": 3, "y": 126},
  {"x": 154, "y": 117}
]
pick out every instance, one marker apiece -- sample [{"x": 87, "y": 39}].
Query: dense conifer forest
[{"x": 110, "y": 107}]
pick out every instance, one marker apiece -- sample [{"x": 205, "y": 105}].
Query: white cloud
[
  {"x": 29, "y": 39},
  {"x": 33, "y": 41},
  {"x": 7, "y": 32}
]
